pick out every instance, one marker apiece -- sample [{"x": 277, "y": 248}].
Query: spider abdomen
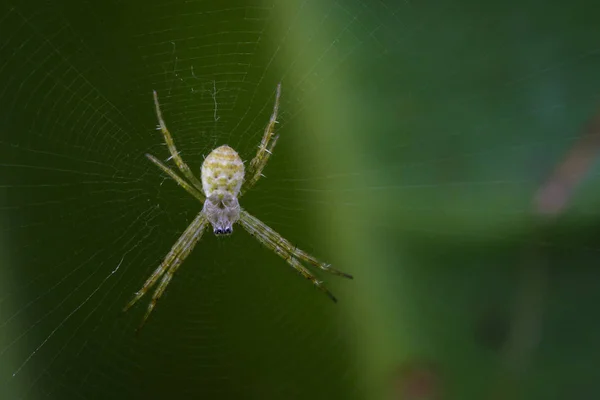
[{"x": 222, "y": 172}]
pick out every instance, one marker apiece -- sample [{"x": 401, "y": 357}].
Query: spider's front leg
[
  {"x": 265, "y": 148},
  {"x": 179, "y": 252},
  {"x": 286, "y": 250}
]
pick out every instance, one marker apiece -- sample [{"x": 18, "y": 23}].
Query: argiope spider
[{"x": 222, "y": 182}]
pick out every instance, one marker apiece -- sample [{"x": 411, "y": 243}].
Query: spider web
[{"x": 403, "y": 128}]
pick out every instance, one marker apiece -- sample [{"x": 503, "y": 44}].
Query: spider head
[
  {"x": 222, "y": 210},
  {"x": 224, "y": 232}
]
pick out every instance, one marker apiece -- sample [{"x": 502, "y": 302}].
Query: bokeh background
[{"x": 441, "y": 152}]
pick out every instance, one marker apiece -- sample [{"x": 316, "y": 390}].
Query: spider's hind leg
[
  {"x": 183, "y": 167},
  {"x": 265, "y": 148}
]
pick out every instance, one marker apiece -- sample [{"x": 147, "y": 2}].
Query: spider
[{"x": 223, "y": 181}]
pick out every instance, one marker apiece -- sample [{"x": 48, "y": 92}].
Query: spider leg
[
  {"x": 301, "y": 254},
  {"x": 189, "y": 188},
  {"x": 288, "y": 246},
  {"x": 307, "y": 274},
  {"x": 180, "y": 250},
  {"x": 157, "y": 294},
  {"x": 265, "y": 148},
  {"x": 183, "y": 167},
  {"x": 283, "y": 248}
]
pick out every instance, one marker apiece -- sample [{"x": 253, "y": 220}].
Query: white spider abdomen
[{"x": 222, "y": 172}]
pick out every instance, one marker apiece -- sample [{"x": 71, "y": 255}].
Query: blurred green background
[{"x": 413, "y": 138}]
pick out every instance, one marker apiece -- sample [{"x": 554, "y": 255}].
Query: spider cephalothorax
[
  {"x": 223, "y": 181},
  {"x": 222, "y": 212}
]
